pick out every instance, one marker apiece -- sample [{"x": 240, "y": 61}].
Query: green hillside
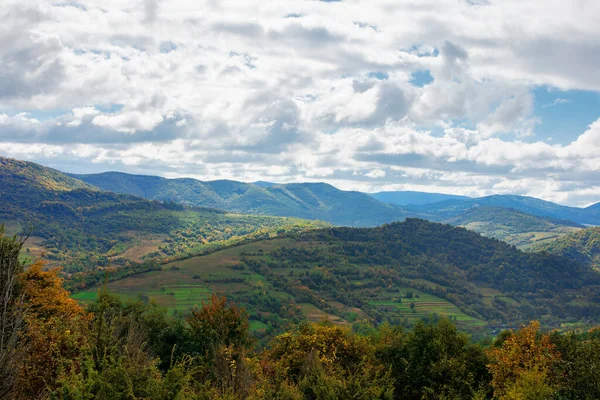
[
  {"x": 27, "y": 174},
  {"x": 398, "y": 273},
  {"x": 82, "y": 228},
  {"x": 302, "y": 200},
  {"x": 583, "y": 246},
  {"x": 514, "y": 227}
]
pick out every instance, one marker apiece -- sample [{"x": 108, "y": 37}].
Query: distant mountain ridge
[
  {"x": 325, "y": 202},
  {"x": 408, "y": 197},
  {"x": 303, "y": 200},
  {"x": 531, "y": 205}
]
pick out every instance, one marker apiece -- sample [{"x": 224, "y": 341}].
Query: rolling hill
[
  {"x": 403, "y": 198},
  {"x": 398, "y": 273},
  {"x": 302, "y": 200},
  {"x": 514, "y": 227},
  {"x": 82, "y": 227}
]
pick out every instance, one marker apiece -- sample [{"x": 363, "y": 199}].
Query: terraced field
[{"x": 412, "y": 304}]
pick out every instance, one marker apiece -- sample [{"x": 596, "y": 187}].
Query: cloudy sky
[{"x": 459, "y": 96}]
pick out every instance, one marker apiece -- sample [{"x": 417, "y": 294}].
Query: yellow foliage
[
  {"x": 523, "y": 355},
  {"x": 54, "y": 335}
]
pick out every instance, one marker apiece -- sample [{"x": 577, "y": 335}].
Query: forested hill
[
  {"x": 23, "y": 174},
  {"x": 398, "y": 273},
  {"x": 583, "y": 246},
  {"x": 80, "y": 227},
  {"x": 303, "y": 200},
  {"x": 485, "y": 277}
]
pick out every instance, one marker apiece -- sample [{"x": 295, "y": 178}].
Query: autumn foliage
[
  {"x": 523, "y": 364},
  {"x": 54, "y": 338}
]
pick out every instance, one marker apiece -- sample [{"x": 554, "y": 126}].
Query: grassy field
[
  {"x": 186, "y": 283},
  {"x": 523, "y": 240}
]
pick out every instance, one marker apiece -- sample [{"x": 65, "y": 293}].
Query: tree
[
  {"x": 522, "y": 365},
  {"x": 220, "y": 334},
  {"x": 54, "y": 335},
  {"x": 325, "y": 361},
  {"x": 578, "y": 373},
  {"x": 11, "y": 308},
  {"x": 433, "y": 361}
]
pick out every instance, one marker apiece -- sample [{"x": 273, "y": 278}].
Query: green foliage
[
  {"x": 433, "y": 361},
  {"x": 328, "y": 362},
  {"x": 578, "y": 372}
]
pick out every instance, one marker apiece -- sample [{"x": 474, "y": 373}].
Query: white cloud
[
  {"x": 241, "y": 91},
  {"x": 376, "y": 173}
]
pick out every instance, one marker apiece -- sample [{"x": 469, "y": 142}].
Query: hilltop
[{"x": 22, "y": 174}]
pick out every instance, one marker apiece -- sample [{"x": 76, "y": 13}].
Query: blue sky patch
[
  {"x": 421, "y": 78},
  {"x": 378, "y": 75},
  {"x": 564, "y": 115}
]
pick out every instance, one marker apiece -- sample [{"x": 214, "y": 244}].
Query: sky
[{"x": 469, "y": 97}]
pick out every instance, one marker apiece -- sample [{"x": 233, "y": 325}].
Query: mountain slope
[
  {"x": 81, "y": 227},
  {"x": 452, "y": 208},
  {"x": 303, "y": 200},
  {"x": 36, "y": 176},
  {"x": 398, "y": 273},
  {"x": 403, "y": 198},
  {"x": 512, "y": 226},
  {"x": 583, "y": 246}
]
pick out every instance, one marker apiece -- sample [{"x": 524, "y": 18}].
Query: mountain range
[
  {"x": 325, "y": 202},
  {"x": 519, "y": 220},
  {"x": 318, "y": 201}
]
